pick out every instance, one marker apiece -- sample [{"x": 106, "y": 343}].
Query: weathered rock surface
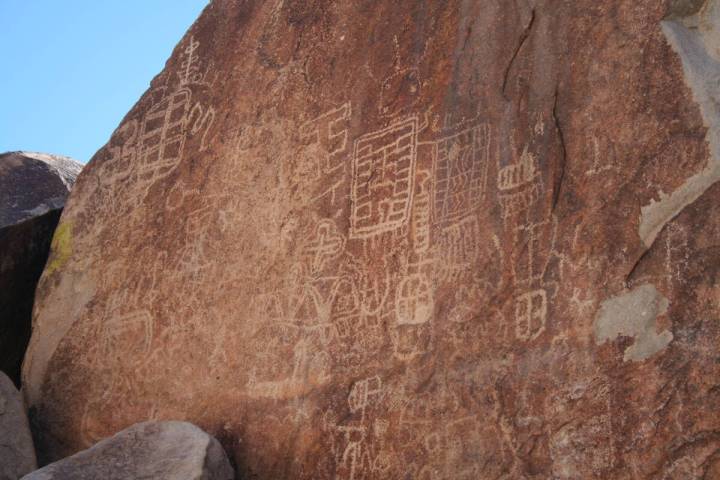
[
  {"x": 459, "y": 239},
  {"x": 32, "y": 184},
  {"x": 17, "y": 454},
  {"x": 152, "y": 450},
  {"x": 33, "y": 188}
]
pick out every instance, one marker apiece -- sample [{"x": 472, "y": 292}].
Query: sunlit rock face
[{"x": 377, "y": 240}]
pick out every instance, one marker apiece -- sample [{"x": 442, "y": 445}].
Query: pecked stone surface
[
  {"x": 462, "y": 239},
  {"x": 153, "y": 450}
]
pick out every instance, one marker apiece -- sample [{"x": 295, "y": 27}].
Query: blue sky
[{"x": 71, "y": 69}]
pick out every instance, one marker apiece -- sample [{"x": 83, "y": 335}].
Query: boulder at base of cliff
[
  {"x": 17, "y": 454},
  {"x": 33, "y": 189},
  {"x": 157, "y": 450}
]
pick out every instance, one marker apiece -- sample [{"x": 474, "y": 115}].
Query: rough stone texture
[
  {"x": 32, "y": 184},
  {"x": 458, "y": 239},
  {"x": 24, "y": 249},
  {"x": 17, "y": 454},
  {"x": 151, "y": 450},
  {"x": 33, "y": 188}
]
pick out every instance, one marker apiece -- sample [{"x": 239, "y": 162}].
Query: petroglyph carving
[
  {"x": 189, "y": 71},
  {"x": 460, "y": 171},
  {"x": 400, "y": 92},
  {"x": 330, "y": 132},
  {"x": 534, "y": 244},
  {"x": 598, "y": 165},
  {"x": 129, "y": 334},
  {"x": 310, "y": 368},
  {"x": 519, "y": 174},
  {"x": 530, "y": 314},
  {"x": 421, "y": 214},
  {"x": 458, "y": 249},
  {"x": 519, "y": 184},
  {"x": 355, "y": 442},
  {"x": 326, "y": 244},
  {"x": 361, "y": 394},
  {"x": 323, "y": 154},
  {"x": 414, "y": 301},
  {"x": 383, "y": 179}
]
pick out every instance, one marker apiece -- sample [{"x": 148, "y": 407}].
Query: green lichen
[{"x": 61, "y": 248}]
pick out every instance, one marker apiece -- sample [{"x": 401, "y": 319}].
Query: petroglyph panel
[
  {"x": 383, "y": 179},
  {"x": 402, "y": 245}
]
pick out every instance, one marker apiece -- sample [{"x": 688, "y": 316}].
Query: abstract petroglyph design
[
  {"x": 383, "y": 179},
  {"x": 460, "y": 171},
  {"x": 530, "y": 314},
  {"x": 325, "y": 245},
  {"x": 519, "y": 184}
]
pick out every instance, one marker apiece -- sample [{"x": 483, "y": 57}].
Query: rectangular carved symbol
[
  {"x": 383, "y": 179},
  {"x": 163, "y": 135},
  {"x": 530, "y": 314},
  {"x": 460, "y": 171}
]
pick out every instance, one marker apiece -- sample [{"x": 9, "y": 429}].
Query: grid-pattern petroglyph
[
  {"x": 460, "y": 172},
  {"x": 383, "y": 179}
]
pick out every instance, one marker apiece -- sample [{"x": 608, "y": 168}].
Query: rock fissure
[{"x": 523, "y": 38}]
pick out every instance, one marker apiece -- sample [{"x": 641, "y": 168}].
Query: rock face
[
  {"x": 152, "y": 450},
  {"x": 17, "y": 454},
  {"x": 459, "y": 239},
  {"x": 32, "y": 184},
  {"x": 33, "y": 187}
]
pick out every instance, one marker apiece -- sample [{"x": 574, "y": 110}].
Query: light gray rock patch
[
  {"x": 634, "y": 314},
  {"x": 17, "y": 453},
  {"x": 157, "y": 450},
  {"x": 696, "y": 40}
]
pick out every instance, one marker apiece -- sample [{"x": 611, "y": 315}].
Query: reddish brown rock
[{"x": 462, "y": 239}]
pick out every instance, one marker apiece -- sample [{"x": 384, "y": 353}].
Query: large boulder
[
  {"x": 457, "y": 239},
  {"x": 32, "y": 184},
  {"x": 33, "y": 188},
  {"x": 152, "y": 450},
  {"x": 17, "y": 453}
]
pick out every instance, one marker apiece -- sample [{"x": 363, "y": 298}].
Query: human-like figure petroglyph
[{"x": 383, "y": 179}]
